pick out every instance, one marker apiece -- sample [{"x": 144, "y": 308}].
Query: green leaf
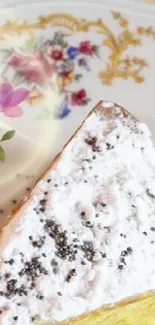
[
  {"x": 8, "y": 135},
  {"x": 2, "y": 154},
  {"x": 32, "y": 44},
  {"x": 58, "y": 39},
  {"x": 45, "y": 114},
  {"x": 17, "y": 79},
  {"x": 65, "y": 44},
  {"x": 78, "y": 76},
  {"x": 67, "y": 65},
  {"x": 4, "y": 53}
]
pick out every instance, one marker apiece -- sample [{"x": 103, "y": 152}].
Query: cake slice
[{"x": 85, "y": 238}]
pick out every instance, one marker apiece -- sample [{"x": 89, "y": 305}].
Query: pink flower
[
  {"x": 33, "y": 67},
  {"x": 15, "y": 61},
  {"x": 10, "y": 99},
  {"x": 86, "y": 48},
  {"x": 79, "y": 97}
]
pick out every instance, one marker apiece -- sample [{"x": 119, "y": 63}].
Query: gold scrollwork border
[{"x": 119, "y": 65}]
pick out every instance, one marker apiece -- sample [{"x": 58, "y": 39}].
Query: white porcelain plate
[{"x": 57, "y": 60}]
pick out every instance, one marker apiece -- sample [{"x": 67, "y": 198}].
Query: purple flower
[
  {"x": 10, "y": 100},
  {"x": 63, "y": 111},
  {"x": 72, "y": 52}
]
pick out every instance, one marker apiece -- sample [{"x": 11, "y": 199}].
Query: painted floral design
[
  {"x": 10, "y": 100},
  {"x": 8, "y": 135},
  {"x": 63, "y": 111},
  {"x": 33, "y": 67},
  {"x": 41, "y": 59},
  {"x": 9, "y": 105}
]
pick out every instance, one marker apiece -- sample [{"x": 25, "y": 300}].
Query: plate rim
[{"x": 141, "y": 8}]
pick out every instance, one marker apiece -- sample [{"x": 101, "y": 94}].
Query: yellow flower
[
  {"x": 65, "y": 80},
  {"x": 35, "y": 98}
]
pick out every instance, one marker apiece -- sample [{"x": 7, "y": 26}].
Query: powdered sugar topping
[{"x": 88, "y": 236}]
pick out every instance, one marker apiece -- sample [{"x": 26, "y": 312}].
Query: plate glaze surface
[{"x": 56, "y": 62}]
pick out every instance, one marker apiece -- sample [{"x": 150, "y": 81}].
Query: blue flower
[
  {"x": 72, "y": 52},
  {"x": 63, "y": 111}
]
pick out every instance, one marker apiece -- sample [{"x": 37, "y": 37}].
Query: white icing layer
[{"x": 88, "y": 236}]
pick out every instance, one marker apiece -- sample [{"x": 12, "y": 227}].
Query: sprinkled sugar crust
[{"x": 87, "y": 236}]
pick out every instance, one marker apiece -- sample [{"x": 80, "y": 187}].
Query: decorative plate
[
  {"x": 148, "y": 1},
  {"x": 57, "y": 60}
]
